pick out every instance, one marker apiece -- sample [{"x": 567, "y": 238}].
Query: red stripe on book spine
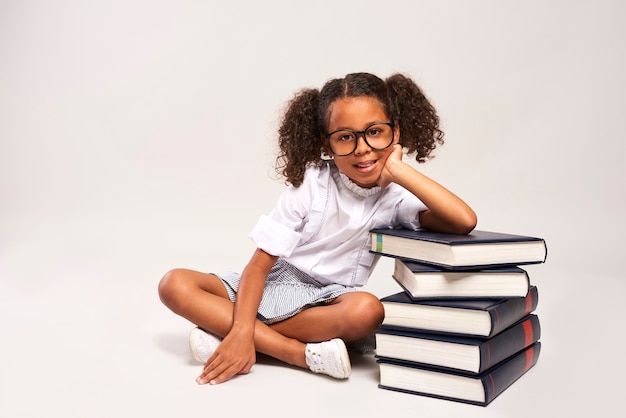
[
  {"x": 530, "y": 354},
  {"x": 493, "y": 383},
  {"x": 497, "y": 318},
  {"x": 528, "y": 333},
  {"x": 488, "y": 355}
]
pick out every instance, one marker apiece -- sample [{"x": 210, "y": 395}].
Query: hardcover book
[
  {"x": 470, "y": 355},
  {"x": 479, "y": 389},
  {"x": 425, "y": 281},
  {"x": 482, "y": 318},
  {"x": 479, "y": 249}
]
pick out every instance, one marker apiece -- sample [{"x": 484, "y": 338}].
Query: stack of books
[{"x": 463, "y": 326}]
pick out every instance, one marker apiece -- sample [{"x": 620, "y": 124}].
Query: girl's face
[{"x": 365, "y": 164}]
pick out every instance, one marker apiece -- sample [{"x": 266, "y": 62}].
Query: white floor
[{"x": 84, "y": 335}]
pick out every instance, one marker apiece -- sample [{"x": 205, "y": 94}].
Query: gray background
[{"x": 137, "y": 136}]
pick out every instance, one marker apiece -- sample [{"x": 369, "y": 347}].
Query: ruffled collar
[{"x": 353, "y": 187}]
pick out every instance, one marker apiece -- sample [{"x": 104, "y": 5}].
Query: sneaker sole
[
  {"x": 192, "y": 345},
  {"x": 345, "y": 358}
]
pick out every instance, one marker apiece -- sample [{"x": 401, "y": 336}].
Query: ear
[
  {"x": 396, "y": 133},
  {"x": 327, "y": 154}
]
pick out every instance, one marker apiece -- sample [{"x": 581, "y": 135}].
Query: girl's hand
[
  {"x": 446, "y": 212},
  {"x": 394, "y": 158},
  {"x": 234, "y": 355}
]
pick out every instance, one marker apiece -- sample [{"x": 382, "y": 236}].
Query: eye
[
  {"x": 343, "y": 136},
  {"x": 379, "y": 130},
  {"x": 374, "y": 131}
]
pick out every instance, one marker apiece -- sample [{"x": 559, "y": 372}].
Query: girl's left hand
[
  {"x": 395, "y": 157},
  {"x": 233, "y": 356}
]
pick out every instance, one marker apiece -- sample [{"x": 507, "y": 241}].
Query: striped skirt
[{"x": 287, "y": 292}]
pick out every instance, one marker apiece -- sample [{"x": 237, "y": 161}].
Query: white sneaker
[
  {"x": 202, "y": 344},
  {"x": 329, "y": 357}
]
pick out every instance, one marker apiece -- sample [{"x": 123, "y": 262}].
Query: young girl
[{"x": 297, "y": 299}]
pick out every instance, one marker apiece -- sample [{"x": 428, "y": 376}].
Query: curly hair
[{"x": 305, "y": 121}]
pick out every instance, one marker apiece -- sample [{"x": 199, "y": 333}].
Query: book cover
[
  {"x": 479, "y": 249},
  {"x": 476, "y": 317},
  {"x": 470, "y": 355},
  {"x": 422, "y": 281},
  {"x": 479, "y": 389}
]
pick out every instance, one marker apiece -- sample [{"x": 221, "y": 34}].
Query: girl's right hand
[{"x": 235, "y": 355}]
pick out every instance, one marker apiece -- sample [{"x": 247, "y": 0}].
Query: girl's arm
[
  {"x": 446, "y": 212},
  {"x": 237, "y": 354}
]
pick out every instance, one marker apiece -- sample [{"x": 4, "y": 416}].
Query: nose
[{"x": 362, "y": 147}]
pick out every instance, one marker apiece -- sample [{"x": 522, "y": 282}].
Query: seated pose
[{"x": 298, "y": 298}]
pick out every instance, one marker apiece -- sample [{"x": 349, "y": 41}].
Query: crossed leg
[{"x": 202, "y": 299}]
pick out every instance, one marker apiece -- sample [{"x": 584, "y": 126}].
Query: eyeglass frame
[{"x": 361, "y": 133}]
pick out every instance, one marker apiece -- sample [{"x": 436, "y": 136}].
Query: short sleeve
[
  {"x": 280, "y": 232},
  {"x": 274, "y": 237},
  {"x": 408, "y": 211}
]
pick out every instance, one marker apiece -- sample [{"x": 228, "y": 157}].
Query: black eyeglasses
[{"x": 378, "y": 136}]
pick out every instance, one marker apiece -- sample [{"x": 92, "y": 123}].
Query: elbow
[
  {"x": 464, "y": 223},
  {"x": 467, "y": 223}
]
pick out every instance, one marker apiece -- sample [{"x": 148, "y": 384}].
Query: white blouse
[{"x": 322, "y": 227}]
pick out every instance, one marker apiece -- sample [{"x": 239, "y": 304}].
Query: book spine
[
  {"x": 511, "y": 311},
  {"x": 507, "y": 343},
  {"x": 500, "y": 378},
  {"x": 377, "y": 243}
]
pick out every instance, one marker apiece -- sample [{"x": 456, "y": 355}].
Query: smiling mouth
[
  {"x": 366, "y": 167},
  {"x": 365, "y": 164}
]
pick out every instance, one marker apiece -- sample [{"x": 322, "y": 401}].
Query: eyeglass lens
[{"x": 344, "y": 142}]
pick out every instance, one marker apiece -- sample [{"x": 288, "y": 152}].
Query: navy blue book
[
  {"x": 423, "y": 281},
  {"x": 469, "y": 317},
  {"x": 479, "y": 389},
  {"x": 469, "y": 355},
  {"x": 478, "y": 249}
]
